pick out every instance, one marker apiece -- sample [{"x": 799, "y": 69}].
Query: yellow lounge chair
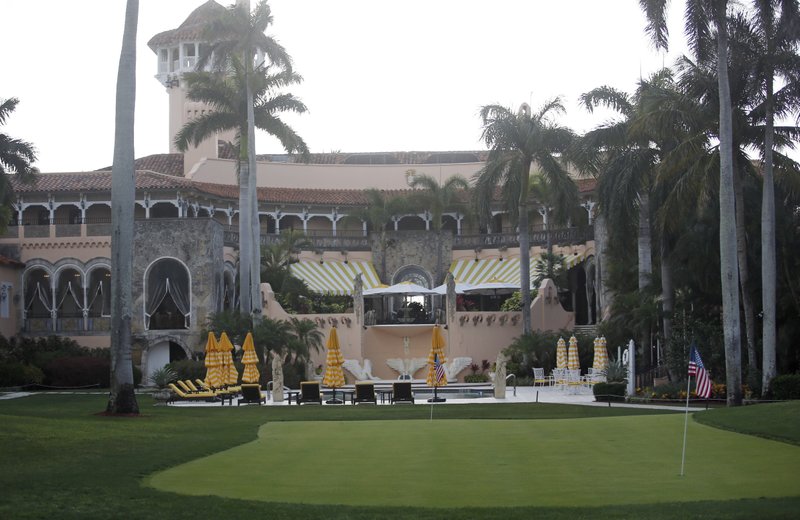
[{"x": 206, "y": 396}]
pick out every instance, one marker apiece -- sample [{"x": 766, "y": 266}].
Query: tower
[{"x": 177, "y": 52}]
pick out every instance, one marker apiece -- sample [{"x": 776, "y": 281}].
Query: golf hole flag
[{"x": 697, "y": 369}]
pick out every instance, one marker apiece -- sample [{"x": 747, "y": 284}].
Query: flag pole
[{"x": 685, "y": 423}]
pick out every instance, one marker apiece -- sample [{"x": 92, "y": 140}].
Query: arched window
[
  {"x": 168, "y": 293},
  {"x": 69, "y": 293},
  {"x": 99, "y": 293},
  {"x": 228, "y": 291},
  {"x": 38, "y": 294}
]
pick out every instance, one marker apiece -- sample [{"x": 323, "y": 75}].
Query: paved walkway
[{"x": 524, "y": 394}]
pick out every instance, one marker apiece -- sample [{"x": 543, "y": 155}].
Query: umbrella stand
[{"x": 436, "y": 398}]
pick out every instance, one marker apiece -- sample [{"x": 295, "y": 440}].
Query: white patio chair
[
  {"x": 559, "y": 378},
  {"x": 574, "y": 379},
  {"x": 538, "y": 377}
]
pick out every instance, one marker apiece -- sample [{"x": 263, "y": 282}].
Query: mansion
[{"x": 55, "y": 254}]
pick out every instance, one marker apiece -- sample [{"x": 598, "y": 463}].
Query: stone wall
[
  {"x": 414, "y": 248},
  {"x": 198, "y": 244}
]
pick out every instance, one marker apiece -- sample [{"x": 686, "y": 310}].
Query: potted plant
[
  {"x": 161, "y": 378},
  {"x": 614, "y": 388}
]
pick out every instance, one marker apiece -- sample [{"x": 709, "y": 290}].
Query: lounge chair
[
  {"x": 309, "y": 393},
  {"x": 185, "y": 396},
  {"x": 401, "y": 392},
  {"x": 251, "y": 394},
  {"x": 365, "y": 393},
  {"x": 202, "y": 384},
  {"x": 185, "y": 387},
  {"x": 188, "y": 382}
]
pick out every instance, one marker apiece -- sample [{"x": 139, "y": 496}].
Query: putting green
[{"x": 490, "y": 463}]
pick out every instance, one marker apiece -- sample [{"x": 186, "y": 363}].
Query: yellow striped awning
[
  {"x": 487, "y": 269},
  {"x": 335, "y": 277},
  {"x": 495, "y": 270}
]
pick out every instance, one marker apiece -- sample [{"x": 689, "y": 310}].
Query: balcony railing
[{"x": 327, "y": 242}]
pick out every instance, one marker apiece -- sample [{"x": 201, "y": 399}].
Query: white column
[
  {"x": 589, "y": 207},
  {"x": 364, "y": 227},
  {"x": 459, "y": 218}
]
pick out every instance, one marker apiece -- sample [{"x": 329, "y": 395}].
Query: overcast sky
[{"x": 382, "y": 75}]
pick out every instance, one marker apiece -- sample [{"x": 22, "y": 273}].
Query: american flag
[
  {"x": 697, "y": 369},
  {"x": 438, "y": 369}
]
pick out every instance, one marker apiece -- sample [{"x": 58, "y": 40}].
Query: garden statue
[
  {"x": 500, "y": 377},
  {"x": 277, "y": 378}
]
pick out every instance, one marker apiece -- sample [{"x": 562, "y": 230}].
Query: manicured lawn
[
  {"x": 454, "y": 463},
  {"x": 779, "y": 421},
  {"x": 59, "y": 460}
]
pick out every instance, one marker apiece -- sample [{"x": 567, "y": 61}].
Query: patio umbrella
[
  {"x": 230, "y": 375},
  {"x": 436, "y": 360},
  {"x": 250, "y": 360},
  {"x": 334, "y": 377},
  {"x": 573, "y": 363},
  {"x": 400, "y": 289},
  {"x": 212, "y": 362},
  {"x": 561, "y": 353},
  {"x": 600, "y": 362},
  {"x": 460, "y": 288}
]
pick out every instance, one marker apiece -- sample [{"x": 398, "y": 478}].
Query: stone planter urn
[{"x": 162, "y": 396}]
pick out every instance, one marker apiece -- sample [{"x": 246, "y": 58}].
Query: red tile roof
[{"x": 166, "y": 163}]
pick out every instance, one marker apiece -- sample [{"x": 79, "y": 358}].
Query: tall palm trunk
[
  {"x": 252, "y": 191},
  {"x": 768, "y": 261},
  {"x": 245, "y": 231},
  {"x": 525, "y": 250},
  {"x": 121, "y": 398},
  {"x": 644, "y": 242},
  {"x": 748, "y": 307},
  {"x": 644, "y": 245},
  {"x": 601, "y": 243},
  {"x": 667, "y": 294},
  {"x": 727, "y": 220}
]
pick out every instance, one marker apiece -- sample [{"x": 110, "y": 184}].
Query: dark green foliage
[
  {"x": 188, "y": 369},
  {"x": 609, "y": 392},
  {"x": 476, "y": 378},
  {"x": 514, "y": 302},
  {"x": 786, "y": 387},
  {"x": 538, "y": 349},
  {"x": 25, "y": 360},
  {"x": 78, "y": 372},
  {"x": 14, "y": 373}
]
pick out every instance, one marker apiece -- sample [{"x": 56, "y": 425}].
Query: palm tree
[
  {"x": 378, "y": 212},
  {"x": 226, "y": 95},
  {"x": 436, "y": 199},
  {"x": 240, "y": 36},
  {"x": 515, "y": 142},
  {"x": 626, "y": 152},
  {"x": 309, "y": 337},
  {"x": 706, "y": 24},
  {"x": 777, "y": 23},
  {"x": 16, "y": 157},
  {"x": 121, "y": 398}
]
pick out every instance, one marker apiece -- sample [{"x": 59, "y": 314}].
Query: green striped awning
[{"x": 335, "y": 277}]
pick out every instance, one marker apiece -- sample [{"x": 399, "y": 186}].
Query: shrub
[
  {"x": 78, "y": 371},
  {"x": 188, "y": 369},
  {"x": 476, "y": 378},
  {"x": 19, "y": 374},
  {"x": 786, "y": 386},
  {"x": 609, "y": 392}
]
